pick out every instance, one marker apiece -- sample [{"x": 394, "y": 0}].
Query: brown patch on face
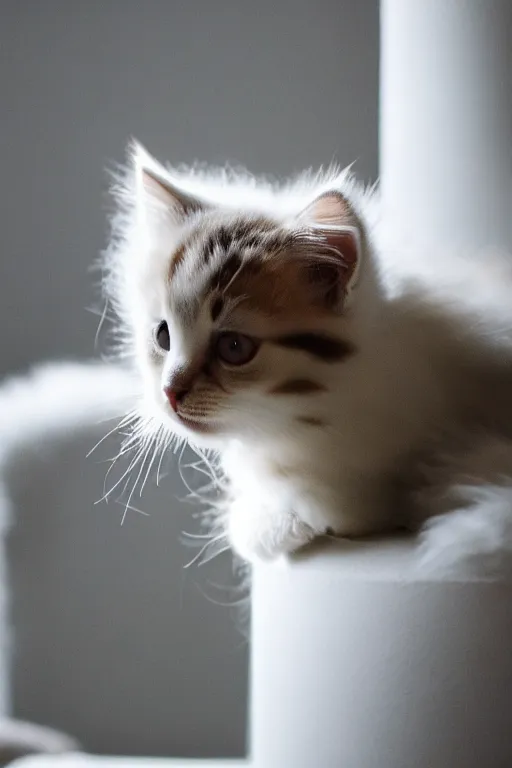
[
  {"x": 271, "y": 286},
  {"x": 327, "y": 348},
  {"x": 311, "y": 421},
  {"x": 297, "y": 387},
  {"x": 261, "y": 265}
]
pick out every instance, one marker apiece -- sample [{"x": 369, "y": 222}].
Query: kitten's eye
[
  {"x": 162, "y": 336},
  {"x": 235, "y": 348}
]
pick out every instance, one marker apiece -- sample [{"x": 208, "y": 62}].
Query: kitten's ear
[
  {"x": 156, "y": 193},
  {"x": 334, "y": 247}
]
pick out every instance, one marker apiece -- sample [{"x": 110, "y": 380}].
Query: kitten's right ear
[
  {"x": 334, "y": 247},
  {"x": 156, "y": 193}
]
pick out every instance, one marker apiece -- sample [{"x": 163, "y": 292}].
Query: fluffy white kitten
[{"x": 348, "y": 384}]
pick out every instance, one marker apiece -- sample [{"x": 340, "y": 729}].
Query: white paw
[{"x": 262, "y": 534}]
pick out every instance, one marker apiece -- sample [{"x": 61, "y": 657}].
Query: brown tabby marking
[
  {"x": 221, "y": 238},
  {"x": 227, "y": 272},
  {"x": 272, "y": 286},
  {"x": 239, "y": 237},
  {"x": 176, "y": 259},
  {"x": 311, "y": 421},
  {"x": 327, "y": 348},
  {"x": 216, "y": 308},
  {"x": 297, "y": 387}
]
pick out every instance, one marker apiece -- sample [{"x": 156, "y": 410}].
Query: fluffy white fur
[{"x": 420, "y": 418}]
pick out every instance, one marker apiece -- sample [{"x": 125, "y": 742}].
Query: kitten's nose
[{"x": 174, "y": 395}]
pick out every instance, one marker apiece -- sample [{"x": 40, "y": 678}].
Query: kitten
[{"x": 348, "y": 384}]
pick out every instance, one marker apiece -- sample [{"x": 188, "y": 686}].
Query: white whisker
[
  {"x": 149, "y": 442},
  {"x": 111, "y": 432},
  {"x": 167, "y": 442},
  {"x": 132, "y": 509},
  {"x": 203, "y": 550},
  {"x": 100, "y": 324},
  {"x": 215, "y": 554},
  {"x": 155, "y": 452},
  {"x": 127, "y": 471},
  {"x": 234, "y": 604},
  {"x": 195, "y": 536}
]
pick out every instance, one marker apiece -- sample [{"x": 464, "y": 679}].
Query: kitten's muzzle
[
  {"x": 181, "y": 381},
  {"x": 174, "y": 396}
]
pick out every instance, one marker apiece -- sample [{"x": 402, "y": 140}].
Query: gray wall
[{"x": 275, "y": 85}]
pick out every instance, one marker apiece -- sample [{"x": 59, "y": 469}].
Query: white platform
[{"x": 357, "y": 662}]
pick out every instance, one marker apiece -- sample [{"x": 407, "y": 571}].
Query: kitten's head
[{"x": 240, "y": 308}]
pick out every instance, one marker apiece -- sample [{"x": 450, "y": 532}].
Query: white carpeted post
[
  {"x": 446, "y": 117},
  {"x": 355, "y": 662},
  {"x": 357, "y": 665}
]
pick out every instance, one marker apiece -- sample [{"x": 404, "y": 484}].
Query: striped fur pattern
[{"x": 276, "y": 327}]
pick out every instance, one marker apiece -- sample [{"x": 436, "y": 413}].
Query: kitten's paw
[{"x": 264, "y": 535}]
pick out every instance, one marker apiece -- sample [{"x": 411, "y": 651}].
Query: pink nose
[{"x": 174, "y": 396}]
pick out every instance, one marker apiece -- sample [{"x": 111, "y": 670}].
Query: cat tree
[{"x": 355, "y": 661}]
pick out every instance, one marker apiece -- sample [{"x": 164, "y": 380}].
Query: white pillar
[
  {"x": 446, "y": 117},
  {"x": 355, "y": 664}
]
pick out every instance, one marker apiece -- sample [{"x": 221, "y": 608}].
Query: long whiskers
[
  {"x": 204, "y": 548},
  {"x": 125, "y": 421},
  {"x": 148, "y": 445},
  {"x": 145, "y": 442},
  {"x": 132, "y": 509}
]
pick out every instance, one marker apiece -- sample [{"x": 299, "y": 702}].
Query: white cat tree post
[{"x": 355, "y": 663}]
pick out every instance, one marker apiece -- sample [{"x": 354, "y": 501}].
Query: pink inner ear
[
  {"x": 332, "y": 222},
  {"x": 346, "y": 242},
  {"x": 156, "y": 188},
  {"x": 173, "y": 198},
  {"x": 329, "y": 209},
  {"x": 334, "y": 272}
]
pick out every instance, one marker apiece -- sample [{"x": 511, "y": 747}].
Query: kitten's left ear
[
  {"x": 156, "y": 193},
  {"x": 334, "y": 247}
]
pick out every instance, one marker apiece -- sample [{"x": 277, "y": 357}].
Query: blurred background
[{"x": 112, "y": 639}]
